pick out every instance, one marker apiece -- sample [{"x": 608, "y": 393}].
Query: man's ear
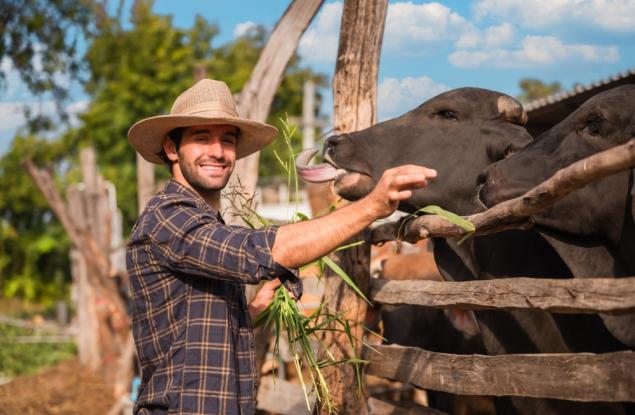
[{"x": 170, "y": 149}]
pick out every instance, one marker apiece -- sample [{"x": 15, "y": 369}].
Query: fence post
[{"x": 354, "y": 101}]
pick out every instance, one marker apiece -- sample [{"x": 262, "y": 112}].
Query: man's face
[{"x": 206, "y": 156}]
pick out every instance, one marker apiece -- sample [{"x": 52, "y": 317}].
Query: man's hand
[
  {"x": 300, "y": 243},
  {"x": 263, "y": 298},
  {"x": 397, "y": 184}
]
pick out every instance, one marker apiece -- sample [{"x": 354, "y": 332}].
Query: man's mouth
[
  {"x": 213, "y": 168},
  {"x": 323, "y": 172}
]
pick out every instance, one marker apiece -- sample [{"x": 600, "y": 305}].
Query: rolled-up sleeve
[{"x": 195, "y": 242}]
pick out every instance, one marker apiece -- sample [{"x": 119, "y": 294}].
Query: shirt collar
[{"x": 174, "y": 186}]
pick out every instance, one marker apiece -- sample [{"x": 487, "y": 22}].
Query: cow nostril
[
  {"x": 332, "y": 141},
  {"x": 482, "y": 178}
]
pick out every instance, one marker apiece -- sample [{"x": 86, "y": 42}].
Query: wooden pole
[
  {"x": 145, "y": 182},
  {"x": 354, "y": 100}
]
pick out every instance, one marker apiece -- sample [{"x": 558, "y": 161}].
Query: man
[{"x": 191, "y": 322}]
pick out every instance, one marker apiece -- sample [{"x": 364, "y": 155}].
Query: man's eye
[{"x": 230, "y": 139}]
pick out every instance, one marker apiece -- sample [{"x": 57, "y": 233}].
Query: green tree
[
  {"x": 535, "y": 89},
  {"x": 33, "y": 246},
  {"x": 39, "y": 38},
  {"x": 136, "y": 73}
]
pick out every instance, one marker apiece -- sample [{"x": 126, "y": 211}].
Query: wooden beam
[
  {"x": 513, "y": 213},
  {"x": 584, "y": 377},
  {"x": 578, "y": 295}
]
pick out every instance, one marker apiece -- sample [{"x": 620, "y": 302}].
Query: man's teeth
[{"x": 212, "y": 168}]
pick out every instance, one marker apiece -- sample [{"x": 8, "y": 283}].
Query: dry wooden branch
[
  {"x": 513, "y": 213},
  {"x": 607, "y": 295},
  {"x": 585, "y": 377},
  {"x": 254, "y": 102},
  {"x": 84, "y": 243}
]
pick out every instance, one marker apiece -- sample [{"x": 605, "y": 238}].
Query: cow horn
[{"x": 512, "y": 109}]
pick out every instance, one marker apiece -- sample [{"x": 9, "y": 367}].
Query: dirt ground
[{"x": 66, "y": 389}]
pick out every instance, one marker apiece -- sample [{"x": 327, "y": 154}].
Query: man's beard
[{"x": 201, "y": 184}]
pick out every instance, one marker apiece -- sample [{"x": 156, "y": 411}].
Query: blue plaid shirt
[{"x": 191, "y": 324}]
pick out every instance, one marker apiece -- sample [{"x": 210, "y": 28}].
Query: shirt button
[{"x": 252, "y": 345}]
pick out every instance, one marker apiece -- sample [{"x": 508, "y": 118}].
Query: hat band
[{"x": 207, "y": 107}]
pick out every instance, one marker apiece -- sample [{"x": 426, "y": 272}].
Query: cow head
[
  {"x": 604, "y": 121},
  {"x": 458, "y": 133}
]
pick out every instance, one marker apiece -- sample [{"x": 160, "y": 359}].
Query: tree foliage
[
  {"x": 535, "y": 89},
  {"x": 39, "y": 39}
]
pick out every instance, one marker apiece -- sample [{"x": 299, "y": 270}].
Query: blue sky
[{"x": 429, "y": 47}]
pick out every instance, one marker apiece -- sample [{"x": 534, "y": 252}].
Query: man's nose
[{"x": 214, "y": 148}]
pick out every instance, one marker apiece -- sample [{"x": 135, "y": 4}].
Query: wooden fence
[{"x": 583, "y": 377}]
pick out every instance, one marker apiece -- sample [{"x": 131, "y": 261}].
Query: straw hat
[{"x": 207, "y": 102}]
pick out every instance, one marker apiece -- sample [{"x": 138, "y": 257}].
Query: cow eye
[
  {"x": 450, "y": 115},
  {"x": 593, "y": 124}
]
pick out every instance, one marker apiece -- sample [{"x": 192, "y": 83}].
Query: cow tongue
[{"x": 323, "y": 172}]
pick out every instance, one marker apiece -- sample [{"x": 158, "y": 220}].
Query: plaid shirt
[{"x": 190, "y": 318}]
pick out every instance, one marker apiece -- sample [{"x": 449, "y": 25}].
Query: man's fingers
[
  {"x": 399, "y": 195},
  {"x": 272, "y": 285},
  {"x": 413, "y": 180}
]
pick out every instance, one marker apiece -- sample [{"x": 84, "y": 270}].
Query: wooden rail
[
  {"x": 593, "y": 295},
  {"x": 584, "y": 377}
]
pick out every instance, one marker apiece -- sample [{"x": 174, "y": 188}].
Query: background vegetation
[{"x": 130, "y": 70}]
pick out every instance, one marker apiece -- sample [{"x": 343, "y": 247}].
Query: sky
[{"x": 428, "y": 47}]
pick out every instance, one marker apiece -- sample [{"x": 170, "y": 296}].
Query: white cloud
[
  {"x": 610, "y": 15},
  {"x": 491, "y": 37},
  {"x": 398, "y": 96},
  {"x": 409, "y": 29},
  {"x": 534, "y": 51},
  {"x": 242, "y": 29},
  {"x": 497, "y": 36},
  {"x": 409, "y": 24},
  {"x": 319, "y": 43}
]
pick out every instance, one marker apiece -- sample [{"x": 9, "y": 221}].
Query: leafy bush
[{"x": 22, "y": 358}]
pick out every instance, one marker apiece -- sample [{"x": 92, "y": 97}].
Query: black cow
[
  {"x": 592, "y": 229},
  {"x": 459, "y": 133}
]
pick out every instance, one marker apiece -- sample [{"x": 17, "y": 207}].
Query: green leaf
[
  {"x": 339, "y": 271},
  {"x": 452, "y": 217},
  {"x": 353, "y": 245}
]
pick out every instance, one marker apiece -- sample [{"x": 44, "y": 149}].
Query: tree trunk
[
  {"x": 255, "y": 100},
  {"x": 354, "y": 100}
]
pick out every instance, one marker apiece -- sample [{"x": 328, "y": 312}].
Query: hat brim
[{"x": 147, "y": 135}]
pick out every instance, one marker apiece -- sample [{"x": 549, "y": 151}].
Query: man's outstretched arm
[{"x": 300, "y": 243}]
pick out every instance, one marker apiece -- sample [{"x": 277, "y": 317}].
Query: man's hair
[{"x": 175, "y": 135}]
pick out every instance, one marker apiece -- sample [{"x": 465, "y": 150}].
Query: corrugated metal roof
[{"x": 552, "y": 99}]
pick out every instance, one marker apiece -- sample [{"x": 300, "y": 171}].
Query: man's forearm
[{"x": 300, "y": 243}]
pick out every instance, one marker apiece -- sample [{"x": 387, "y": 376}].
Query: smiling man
[{"x": 187, "y": 268}]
